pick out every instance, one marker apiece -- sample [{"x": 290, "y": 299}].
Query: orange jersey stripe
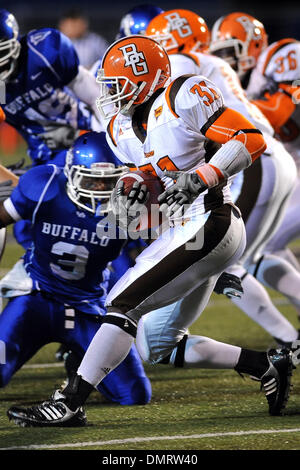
[
  {"x": 233, "y": 125},
  {"x": 277, "y": 108},
  {"x": 192, "y": 56},
  {"x": 167, "y": 96},
  {"x": 277, "y": 45},
  {"x": 111, "y": 130}
]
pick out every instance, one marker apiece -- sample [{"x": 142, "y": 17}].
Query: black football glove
[
  {"x": 229, "y": 285},
  {"x": 184, "y": 191},
  {"x": 6, "y": 188},
  {"x": 129, "y": 208}
]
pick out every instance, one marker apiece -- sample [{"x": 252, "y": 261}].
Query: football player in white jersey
[
  {"x": 270, "y": 74},
  {"x": 261, "y": 191},
  {"x": 160, "y": 128}
]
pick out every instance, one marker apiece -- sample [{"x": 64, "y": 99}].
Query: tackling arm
[
  {"x": 278, "y": 106},
  {"x": 85, "y": 87}
]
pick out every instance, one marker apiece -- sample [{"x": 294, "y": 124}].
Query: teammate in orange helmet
[
  {"x": 271, "y": 80},
  {"x": 239, "y": 38},
  {"x": 180, "y": 31}
]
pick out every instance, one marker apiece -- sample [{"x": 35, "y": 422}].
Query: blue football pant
[{"x": 30, "y": 322}]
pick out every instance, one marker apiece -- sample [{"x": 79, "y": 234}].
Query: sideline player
[
  {"x": 57, "y": 291},
  {"x": 159, "y": 127},
  {"x": 269, "y": 74}
]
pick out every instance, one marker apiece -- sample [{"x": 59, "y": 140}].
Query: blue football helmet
[
  {"x": 92, "y": 171},
  {"x": 9, "y": 44},
  {"x": 137, "y": 20}
]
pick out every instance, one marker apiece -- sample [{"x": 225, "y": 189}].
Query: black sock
[
  {"x": 252, "y": 362},
  {"x": 77, "y": 391}
]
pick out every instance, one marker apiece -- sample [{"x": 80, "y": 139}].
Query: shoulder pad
[
  {"x": 40, "y": 180},
  {"x": 173, "y": 89},
  {"x": 42, "y": 38}
]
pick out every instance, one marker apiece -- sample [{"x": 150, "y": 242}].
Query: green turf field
[{"x": 190, "y": 409}]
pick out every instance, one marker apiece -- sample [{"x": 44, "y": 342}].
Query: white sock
[
  {"x": 256, "y": 303},
  {"x": 280, "y": 275},
  {"x": 107, "y": 350},
  {"x": 206, "y": 353}
]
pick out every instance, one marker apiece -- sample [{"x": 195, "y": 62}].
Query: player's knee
[
  {"x": 5, "y": 375},
  {"x": 141, "y": 391}
]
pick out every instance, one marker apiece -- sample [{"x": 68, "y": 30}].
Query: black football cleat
[
  {"x": 276, "y": 381},
  {"x": 54, "y": 412}
]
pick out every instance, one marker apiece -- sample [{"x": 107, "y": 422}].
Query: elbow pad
[{"x": 231, "y": 158}]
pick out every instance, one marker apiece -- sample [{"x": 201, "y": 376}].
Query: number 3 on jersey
[
  {"x": 71, "y": 264},
  {"x": 208, "y": 94}
]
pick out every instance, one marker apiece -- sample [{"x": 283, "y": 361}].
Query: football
[{"x": 155, "y": 187}]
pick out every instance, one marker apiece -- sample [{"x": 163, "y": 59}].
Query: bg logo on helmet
[
  {"x": 249, "y": 26},
  {"x": 134, "y": 59},
  {"x": 179, "y": 24}
]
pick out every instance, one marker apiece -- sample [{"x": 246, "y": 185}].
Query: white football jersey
[
  {"x": 226, "y": 79},
  {"x": 177, "y": 120},
  {"x": 280, "y": 63}
]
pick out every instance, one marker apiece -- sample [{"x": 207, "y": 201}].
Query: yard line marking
[
  {"x": 42, "y": 366},
  {"x": 153, "y": 438}
]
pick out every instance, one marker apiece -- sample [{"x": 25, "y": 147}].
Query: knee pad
[{"x": 126, "y": 324}]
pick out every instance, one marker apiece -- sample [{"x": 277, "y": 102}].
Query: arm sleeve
[
  {"x": 231, "y": 125},
  {"x": 279, "y": 106}
]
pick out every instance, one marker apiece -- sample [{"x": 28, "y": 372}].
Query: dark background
[{"x": 280, "y": 20}]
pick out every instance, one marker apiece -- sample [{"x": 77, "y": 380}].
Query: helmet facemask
[
  {"x": 87, "y": 187},
  {"x": 234, "y": 51},
  {"x": 115, "y": 93},
  {"x": 9, "y": 52},
  {"x": 9, "y": 48},
  {"x": 119, "y": 94}
]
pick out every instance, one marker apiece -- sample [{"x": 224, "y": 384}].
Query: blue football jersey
[
  {"x": 37, "y": 98},
  {"x": 67, "y": 259}
]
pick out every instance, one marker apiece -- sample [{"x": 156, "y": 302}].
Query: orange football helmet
[
  {"x": 179, "y": 31},
  {"x": 132, "y": 69},
  {"x": 238, "y": 38}
]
